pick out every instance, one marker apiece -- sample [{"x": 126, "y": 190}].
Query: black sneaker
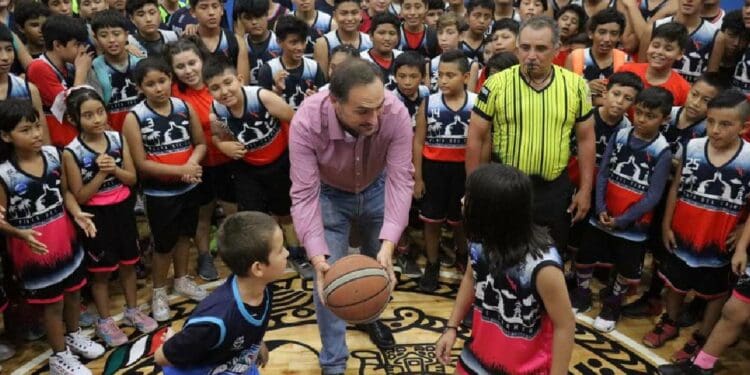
[
  {"x": 429, "y": 281},
  {"x": 685, "y": 368},
  {"x": 580, "y": 298},
  {"x": 409, "y": 266}
]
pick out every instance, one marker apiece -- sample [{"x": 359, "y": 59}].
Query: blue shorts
[{"x": 212, "y": 369}]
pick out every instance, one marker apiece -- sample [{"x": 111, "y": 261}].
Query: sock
[
  {"x": 583, "y": 277},
  {"x": 619, "y": 288},
  {"x": 705, "y": 361}
]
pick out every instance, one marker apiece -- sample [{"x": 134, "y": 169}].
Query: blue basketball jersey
[{"x": 333, "y": 40}]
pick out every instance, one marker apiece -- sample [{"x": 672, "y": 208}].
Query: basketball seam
[
  {"x": 364, "y": 300},
  {"x": 358, "y": 274}
]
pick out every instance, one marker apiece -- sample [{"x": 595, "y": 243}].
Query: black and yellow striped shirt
[{"x": 531, "y": 129}]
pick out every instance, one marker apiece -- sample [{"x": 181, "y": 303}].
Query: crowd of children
[{"x": 186, "y": 107}]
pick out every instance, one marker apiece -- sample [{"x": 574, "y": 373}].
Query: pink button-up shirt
[{"x": 321, "y": 151}]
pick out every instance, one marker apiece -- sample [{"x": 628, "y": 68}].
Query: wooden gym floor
[{"x": 416, "y": 319}]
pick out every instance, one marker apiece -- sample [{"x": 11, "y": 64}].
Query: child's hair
[
  {"x": 716, "y": 80},
  {"x": 63, "y": 29},
  {"x": 337, "y": 3},
  {"x": 507, "y": 24},
  {"x": 672, "y": 32},
  {"x": 254, "y": 8},
  {"x": 290, "y": 25},
  {"x": 28, "y": 10},
  {"x": 578, "y": 10},
  {"x": 194, "y": 3},
  {"x": 347, "y": 49},
  {"x": 411, "y": 59},
  {"x": 108, "y": 18},
  {"x": 5, "y": 34},
  {"x": 384, "y": 18},
  {"x": 732, "y": 99},
  {"x": 215, "y": 66},
  {"x": 625, "y": 79},
  {"x": 74, "y": 101},
  {"x": 448, "y": 19},
  {"x": 473, "y": 4},
  {"x": 245, "y": 238},
  {"x": 732, "y": 21},
  {"x": 435, "y": 5},
  {"x": 133, "y": 5},
  {"x": 150, "y": 64},
  {"x": 608, "y": 15},
  {"x": 580, "y": 38},
  {"x": 12, "y": 112},
  {"x": 498, "y": 214},
  {"x": 501, "y": 61},
  {"x": 456, "y": 56},
  {"x": 657, "y": 98}
]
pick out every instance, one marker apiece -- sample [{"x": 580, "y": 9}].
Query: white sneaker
[
  {"x": 82, "y": 345},
  {"x": 160, "y": 305},
  {"x": 6, "y": 351},
  {"x": 188, "y": 288},
  {"x": 604, "y": 325},
  {"x": 66, "y": 363}
]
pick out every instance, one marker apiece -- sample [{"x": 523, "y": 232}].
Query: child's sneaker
[
  {"x": 6, "y": 351},
  {"x": 610, "y": 314},
  {"x": 643, "y": 307},
  {"x": 409, "y": 266},
  {"x": 110, "y": 333},
  {"x": 87, "y": 318},
  {"x": 664, "y": 331},
  {"x": 690, "y": 349},
  {"x": 160, "y": 305},
  {"x": 429, "y": 281},
  {"x": 206, "y": 267},
  {"x": 82, "y": 345},
  {"x": 188, "y": 288},
  {"x": 136, "y": 318},
  {"x": 65, "y": 363},
  {"x": 580, "y": 299}
]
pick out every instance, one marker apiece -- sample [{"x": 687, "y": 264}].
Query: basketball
[{"x": 356, "y": 289}]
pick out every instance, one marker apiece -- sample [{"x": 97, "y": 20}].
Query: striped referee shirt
[{"x": 531, "y": 129}]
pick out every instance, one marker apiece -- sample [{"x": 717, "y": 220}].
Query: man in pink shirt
[{"x": 350, "y": 150}]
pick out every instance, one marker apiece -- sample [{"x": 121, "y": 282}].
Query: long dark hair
[
  {"x": 12, "y": 112},
  {"x": 498, "y": 214},
  {"x": 185, "y": 43},
  {"x": 75, "y": 99}
]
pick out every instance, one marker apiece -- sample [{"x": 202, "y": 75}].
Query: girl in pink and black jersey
[{"x": 513, "y": 285}]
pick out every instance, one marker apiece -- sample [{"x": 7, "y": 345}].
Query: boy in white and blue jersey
[
  {"x": 225, "y": 332},
  {"x": 262, "y": 43},
  {"x": 348, "y": 16},
  {"x": 384, "y": 34},
  {"x": 409, "y": 71}
]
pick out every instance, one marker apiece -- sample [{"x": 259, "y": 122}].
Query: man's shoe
[{"x": 380, "y": 334}]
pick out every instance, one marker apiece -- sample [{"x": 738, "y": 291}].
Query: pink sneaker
[
  {"x": 136, "y": 318},
  {"x": 110, "y": 333}
]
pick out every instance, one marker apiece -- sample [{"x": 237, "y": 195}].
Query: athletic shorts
[
  {"x": 264, "y": 188},
  {"x": 444, "y": 187},
  {"x": 707, "y": 282},
  {"x": 172, "y": 217},
  {"x": 601, "y": 249},
  {"x": 217, "y": 182},
  {"x": 55, "y": 293},
  {"x": 116, "y": 240}
]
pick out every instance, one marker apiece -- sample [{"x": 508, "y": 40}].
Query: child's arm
[
  {"x": 601, "y": 178},
  {"x": 190, "y": 346},
  {"x": 426, "y": 77},
  {"x": 27, "y": 235},
  {"x": 36, "y": 101},
  {"x": 321, "y": 54},
  {"x": 666, "y": 225},
  {"x": 83, "y": 219},
  {"x": 464, "y": 300},
  {"x": 644, "y": 41},
  {"x": 82, "y": 192},
  {"x": 420, "y": 133},
  {"x": 739, "y": 258},
  {"x": 550, "y": 285},
  {"x": 473, "y": 75},
  {"x": 717, "y": 53},
  {"x": 132, "y": 134},
  {"x": 83, "y": 66},
  {"x": 22, "y": 53},
  {"x": 634, "y": 22},
  {"x": 243, "y": 62},
  {"x": 276, "y": 106},
  {"x": 656, "y": 185},
  {"x": 126, "y": 174},
  {"x": 196, "y": 135}
]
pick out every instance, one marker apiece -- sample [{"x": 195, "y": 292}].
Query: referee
[{"x": 533, "y": 109}]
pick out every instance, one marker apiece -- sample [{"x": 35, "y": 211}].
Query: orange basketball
[{"x": 357, "y": 289}]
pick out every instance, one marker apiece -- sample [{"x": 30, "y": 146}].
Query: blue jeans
[{"x": 339, "y": 210}]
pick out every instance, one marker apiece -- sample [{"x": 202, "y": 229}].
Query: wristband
[{"x": 447, "y": 327}]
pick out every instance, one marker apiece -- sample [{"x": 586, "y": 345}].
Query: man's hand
[
  {"x": 321, "y": 267},
  {"x": 580, "y": 205},
  {"x": 385, "y": 258}
]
